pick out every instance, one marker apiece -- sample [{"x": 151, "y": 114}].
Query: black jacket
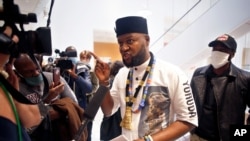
[{"x": 232, "y": 95}]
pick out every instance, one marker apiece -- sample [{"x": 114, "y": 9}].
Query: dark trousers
[
  {"x": 89, "y": 128},
  {"x": 110, "y": 127}
]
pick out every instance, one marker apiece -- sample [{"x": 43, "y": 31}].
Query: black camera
[
  {"x": 38, "y": 41},
  {"x": 66, "y": 54},
  {"x": 63, "y": 62}
]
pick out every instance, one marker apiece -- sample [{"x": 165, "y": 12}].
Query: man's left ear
[{"x": 147, "y": 38}]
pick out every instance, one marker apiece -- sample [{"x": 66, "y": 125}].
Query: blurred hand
[
  {"x": 8, "y": 32},
  {"x": 72, "y": 72},
  {"x": 102, "y": 69},
  {"x": 12, "y": 77},
  {"x": 248, "y": 119},
  {"x": 54, "y": 91}
]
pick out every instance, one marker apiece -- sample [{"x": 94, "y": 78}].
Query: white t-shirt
[{"x": 169, "y": 98}]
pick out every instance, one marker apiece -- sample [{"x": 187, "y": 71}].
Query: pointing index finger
[{"x": 96, "y": 57}]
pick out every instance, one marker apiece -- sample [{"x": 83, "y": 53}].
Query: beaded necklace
[{"x": 130, "y": 99}]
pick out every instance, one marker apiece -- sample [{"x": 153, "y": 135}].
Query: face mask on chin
[
  {"x": 219, "y": 59},
  {"x": 34, "y": 81},
  {"x": 85, "y": 61},
  {"x": 73, "y": 59}
]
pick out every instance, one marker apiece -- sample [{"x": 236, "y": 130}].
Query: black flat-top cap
[
  {"x": 226, "y": 40},
  {"x": 131, "y": 24}
]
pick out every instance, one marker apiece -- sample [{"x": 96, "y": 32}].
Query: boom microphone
[{"x": 91, "y": 110}]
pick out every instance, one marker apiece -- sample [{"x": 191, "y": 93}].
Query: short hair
[
  {"x": 85, "y": 53},
  {"x": 70, "y": 48}
]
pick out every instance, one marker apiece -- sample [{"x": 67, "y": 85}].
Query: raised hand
[{"x": 102, "y": 69}]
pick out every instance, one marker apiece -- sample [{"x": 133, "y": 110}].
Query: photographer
[
  {"x": 78, "y": 79},
  {"x": 14, "y": 116},
  {"x": 85, "y": 57}
]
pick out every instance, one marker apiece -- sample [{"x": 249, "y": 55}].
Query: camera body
[
  {"x": 38, "y": 41},
  {"x": 64, "y": 62}
]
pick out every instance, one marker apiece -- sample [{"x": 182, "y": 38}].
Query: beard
[{"x": 136, "y": 60}]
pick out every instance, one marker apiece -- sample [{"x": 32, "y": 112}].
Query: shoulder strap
[{"x": 13, "y": 92}]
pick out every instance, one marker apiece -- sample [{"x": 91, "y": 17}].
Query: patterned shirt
[{"x": 169, "y": 98}]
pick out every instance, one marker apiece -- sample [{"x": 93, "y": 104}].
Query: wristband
[
  {"x": 108, "y": 86},
  {"x": 148, "y": 138},
  {"x": 105, "y": 83}
]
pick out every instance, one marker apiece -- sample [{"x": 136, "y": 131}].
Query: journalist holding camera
[
  {"x": 77, "y": 75},
  {"x": 14, "y": 116},
  {"x": 18, "y": 113}
]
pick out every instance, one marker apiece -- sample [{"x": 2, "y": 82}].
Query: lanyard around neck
[
  {"x": 148, "y": 73},
  {"x": 14, "y": 111}
]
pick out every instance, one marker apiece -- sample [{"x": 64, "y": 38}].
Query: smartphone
[{"x": 56, "y": 76}]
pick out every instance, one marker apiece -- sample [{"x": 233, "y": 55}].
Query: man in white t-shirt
[{"x": 155, "y": 97}]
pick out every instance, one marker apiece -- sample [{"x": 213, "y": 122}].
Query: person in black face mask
[
  {"x": 221, "y": 92},
  {"x": 14, "y": 116}
]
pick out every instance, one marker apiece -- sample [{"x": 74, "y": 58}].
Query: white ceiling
[
  {"x": 100, "y": 12},
  {"x": 164, "y": 12},
  {"x": 168, "y": 11}
]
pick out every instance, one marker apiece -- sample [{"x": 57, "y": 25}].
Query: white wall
[
  {"x": 74, "y": 21},
  {"x": 67, "y": 24},
  {"x": 224, "y": 17}
]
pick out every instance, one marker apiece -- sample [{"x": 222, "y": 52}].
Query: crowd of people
[{"x": 148, "y": 99}]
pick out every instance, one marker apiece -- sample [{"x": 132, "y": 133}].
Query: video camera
[
  {"x": 63, "y": 62},
  {"x": 38, "y": 41},
  {"x": 66, "y": 54}
]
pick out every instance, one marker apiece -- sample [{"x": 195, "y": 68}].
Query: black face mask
[{"x": 7, "y": 46}]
